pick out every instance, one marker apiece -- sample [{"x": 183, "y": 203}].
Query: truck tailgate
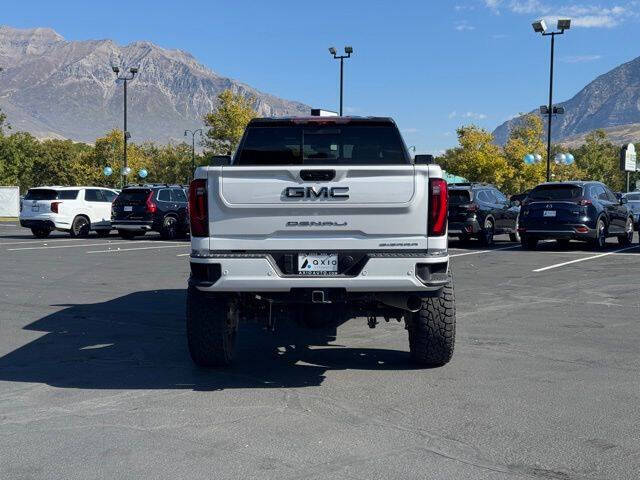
[{"x": 275, "y": 208}]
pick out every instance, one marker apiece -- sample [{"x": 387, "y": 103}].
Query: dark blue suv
[{"x": 564, "y": 211}]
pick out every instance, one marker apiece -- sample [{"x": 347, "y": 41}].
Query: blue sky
[{"x": 432, "y": 65}]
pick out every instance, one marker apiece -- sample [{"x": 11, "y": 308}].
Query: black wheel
[
  {"x": 601, "y": 235},
  {"x": 486, "y": 235},
  {"x": 103, "y": 232},
  {"x": 563, "y": 243},
  {"x": 514, "y": 237},
  {"x": 40, "y": 232},
  {"x": 169, "y": 229},
  {"x": 626, "y": 239},
  {"x": 130, "y": 234},
  {"x": 528, "y": 242},
  {"x": 212, "y": 325},
  {"x": 432, "y": 329},
  {"x": 80, "y": 226}
]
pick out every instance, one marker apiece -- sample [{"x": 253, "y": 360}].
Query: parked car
[
  {"x": 76, "y": 210},
  {"x": 633, "y": 202},
  {"x": 142, "y": 208},
  {"x": 564, "y": 211},
  {"x": 478, "y": 210}
]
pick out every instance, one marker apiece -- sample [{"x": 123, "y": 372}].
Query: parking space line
[
  {"x": 183, "y": 254},
  {"x": 558, "y": 265},
  {"x": 476, "y": 252},
  {"x": 141, "y": 248},
  {"x": 70, "y": 246},
  {"x": 27, "y": 242}
]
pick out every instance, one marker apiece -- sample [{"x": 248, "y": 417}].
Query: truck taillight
[
  {"x": 151, "y": 206},
  {"x": 54, "y": 206},
  {"x": 198, "y": 211},
  {"x": 438, "y": 199}
]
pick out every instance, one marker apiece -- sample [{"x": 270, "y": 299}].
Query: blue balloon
[
  {"x": 569, "y": 159},
  {"x": 107, "y": 171},
  {"x": 143, "y": 173},
  {"x": 529, "y": 159}
]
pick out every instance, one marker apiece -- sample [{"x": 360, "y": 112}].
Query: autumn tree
[
  {"x": 227, "y": 123},
  {"x": 477, "y": 158},
  {"x": 599, "y": 159}
]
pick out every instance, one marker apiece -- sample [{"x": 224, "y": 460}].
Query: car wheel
[
  {"x": 129, "y": 234},
  {"x": 40, "y": 232},
  {"x": 515, "y": 236},
  {"x": 626, "y": 239},
  {"x": 103, "y": 232},
  {"x": 212, "y": 325},
  {"x": 80, "y": 226},
  {"x": 601, "y": 235},
  {"x": 486, "y": 235},
  {"x": 528, "y": 242},
  {"x": 169, "y": 229},
  {"x": 432, "y": 329}
]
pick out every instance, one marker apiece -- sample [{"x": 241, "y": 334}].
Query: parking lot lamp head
[
  {"x": 115, "y": 69},
  {"x": 564, "y": 24},
  {"x": 539, "y": 26},
  {"x": 332, "y": 51},
  {"x": 348, "y": 50}
]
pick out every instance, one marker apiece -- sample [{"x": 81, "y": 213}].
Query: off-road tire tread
[
  {"x": 207, "y": 328},
  {"x": 432, "y": 330}
]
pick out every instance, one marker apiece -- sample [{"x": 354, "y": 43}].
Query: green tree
[
  {"x": 599, "y": 159},
  {"x": 525, "y": 138},
  {"x": 227, "y": 123},
  {"x": 477, "y": 158},
  {"x": 17, "y": 154}
]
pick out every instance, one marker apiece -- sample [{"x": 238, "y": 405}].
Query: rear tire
[
  {"x": 40, "y": 232},
  {"x": 601, "y": 235},
  {"x": 129, "y": 234},
  {"x": 169, "y": 230},
  {"x": 80, "y": 227},
  {"x": 487, "y": 232},
  {"x": 528, "y": 243},
  {"x": 212, "y": 325},
  {"x": 625, "y": 240},
  {"x": 514, "y": 237},
  {"x": 432, "y": 329}
]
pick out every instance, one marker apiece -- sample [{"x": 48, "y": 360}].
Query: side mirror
[
  {"x": 515, "y": 203},
  {"x": 220, "y": 161},
  {"x": 423, "y": 159}
]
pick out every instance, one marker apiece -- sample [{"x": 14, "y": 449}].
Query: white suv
[{"x": 76, "y": 210}]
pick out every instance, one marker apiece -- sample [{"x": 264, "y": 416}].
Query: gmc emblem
[{"x": 312, "y": 192}]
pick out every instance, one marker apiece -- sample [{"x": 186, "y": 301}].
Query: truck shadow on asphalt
[{"x": 138, "y": 341}]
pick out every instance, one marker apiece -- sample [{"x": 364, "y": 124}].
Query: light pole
[
  {"x": 193, "y": 147},
  {"x": 125, "y": 78},
  {"x": 539, "y": 26},
  {"x": 348, "y": 51}
]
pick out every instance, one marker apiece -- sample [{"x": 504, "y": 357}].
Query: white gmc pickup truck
[{"x": 324, "y": 219}]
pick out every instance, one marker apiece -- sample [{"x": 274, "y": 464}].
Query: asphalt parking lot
[{"x": 96, "y": 381}]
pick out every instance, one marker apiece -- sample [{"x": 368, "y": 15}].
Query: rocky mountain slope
[
  {"x": 64, "y": 89},
  {"x": 611, "y": 101}
]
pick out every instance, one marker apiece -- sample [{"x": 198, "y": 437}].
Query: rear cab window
[
  {"x": 322, "y": 143},
  {"x": 555, "y": 192},
  {"x": 133, "y": 196}
]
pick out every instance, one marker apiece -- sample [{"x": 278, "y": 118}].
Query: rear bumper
[
  {"x": 132, "y": 225},
  {"x": 469, "y": 227},
  {"x": 260, "y": 273},
  {"x": 568, "y": 232},
  {"x": 37, "y": 223}
]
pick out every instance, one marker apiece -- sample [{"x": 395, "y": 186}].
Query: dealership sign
[{"x": 628, "y": 158}]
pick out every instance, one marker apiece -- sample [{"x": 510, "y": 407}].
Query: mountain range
[
  {"x": 56, "y": 88},
  {"x": 610, "y": 102}
]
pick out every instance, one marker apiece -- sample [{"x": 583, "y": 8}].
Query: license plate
[
  {"x": 35, "y": 208},
  {"x": 318, "y": 263},
  {"x": 549, "y": 213},
  {"x": 128, "y": 209}
]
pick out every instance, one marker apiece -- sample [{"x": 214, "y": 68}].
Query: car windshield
[
  {"x": 556, "y": 192},
  {"x": 322, "y": 145},
  {"x": 458, "y": 197}
]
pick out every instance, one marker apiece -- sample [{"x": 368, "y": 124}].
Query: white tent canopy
[{"x": 9, "y": 201}]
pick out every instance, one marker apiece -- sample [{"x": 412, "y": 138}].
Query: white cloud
[
  {"x": 582, "y": 15},
  {"x": 463, "y": 25},
  {"x": 410, "y": 130},
  {"x": 580, "y": 58},
  {"x": 468, "y": 115}
]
